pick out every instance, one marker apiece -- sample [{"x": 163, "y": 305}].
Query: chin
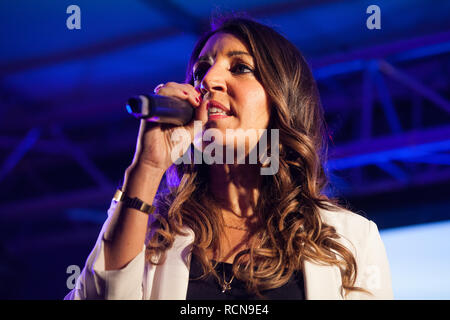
[{"x": 229, "y": 153}]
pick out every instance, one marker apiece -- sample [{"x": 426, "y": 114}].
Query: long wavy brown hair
[{"x": 290, "y": 227}]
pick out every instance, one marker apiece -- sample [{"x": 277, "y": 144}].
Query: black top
[{"x": 209, "y": 288}]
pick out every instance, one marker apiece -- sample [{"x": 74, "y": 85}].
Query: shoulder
[
  {"x": 343, "y": 219},
  {"x": 353, "y": 228}
]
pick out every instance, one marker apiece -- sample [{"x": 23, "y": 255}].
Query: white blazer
[{"x": 169, "y": 281}]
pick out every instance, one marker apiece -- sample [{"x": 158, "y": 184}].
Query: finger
[
  {"x": 190, "y": 128},
  {"x": 193, "y": 126},
  {"x": 180, "y": 91},
  {"x": 190, "y": 90},
  {"x": 187, "y": 89}
]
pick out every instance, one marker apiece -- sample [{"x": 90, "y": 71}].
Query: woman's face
[{"x": 224, "y": 73}]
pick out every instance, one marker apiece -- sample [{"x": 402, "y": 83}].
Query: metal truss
[
  {"x": 407, "y": 154},
  {"x": 362, "y": 163}
]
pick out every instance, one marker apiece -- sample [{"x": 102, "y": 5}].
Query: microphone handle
[{"x": 162, "y": 109}]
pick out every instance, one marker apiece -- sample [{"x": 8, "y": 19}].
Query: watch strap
[{"x": 134, "y": 203}]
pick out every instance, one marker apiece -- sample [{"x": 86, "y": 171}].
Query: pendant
[{"x": 226, "y": 287}]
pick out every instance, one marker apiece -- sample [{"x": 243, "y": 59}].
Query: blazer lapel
[
  {"x": 171, "y": 278},
  {"x": 321, "y": 282}
]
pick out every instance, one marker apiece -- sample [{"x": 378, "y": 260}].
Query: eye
[
  {"x": 200, "y": 71},
  {"x": 240, "y": 67}
]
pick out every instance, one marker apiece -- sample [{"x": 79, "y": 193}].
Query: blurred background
[{"x": 66, "y": 138}]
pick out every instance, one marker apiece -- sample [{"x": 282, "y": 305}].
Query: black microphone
[{"x": 162, "y": 109}]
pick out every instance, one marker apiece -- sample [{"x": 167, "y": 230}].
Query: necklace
[
  {"x": 235, "y": 227},
  {"x": 226, "y": 286}
]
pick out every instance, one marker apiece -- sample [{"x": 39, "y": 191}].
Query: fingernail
[
  {"x": 185, "y": 92},
  {"x": 197, "y": 99}
]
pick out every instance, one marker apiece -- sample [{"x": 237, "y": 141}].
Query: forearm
[{"x": 130, "y": 230}]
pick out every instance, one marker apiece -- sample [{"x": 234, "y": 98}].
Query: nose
[{"x": 213, "y": 81}]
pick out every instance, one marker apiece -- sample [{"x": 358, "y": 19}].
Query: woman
[{"x": 226, "y": 231}]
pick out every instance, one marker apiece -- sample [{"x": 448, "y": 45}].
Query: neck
[{"x": 235, "y": 188}]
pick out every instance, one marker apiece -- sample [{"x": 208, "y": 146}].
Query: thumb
[{"x": 195, "y": 129}]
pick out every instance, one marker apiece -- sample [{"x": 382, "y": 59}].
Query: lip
[
  {"x": 217, "y": 116},
  {"x": 216, "y": 104}
]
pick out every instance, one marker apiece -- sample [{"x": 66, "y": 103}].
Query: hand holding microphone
[
  {"x": 172, "y": 106},
  {"x": 162, "y": 109},
  {"x": 127, "y": 230}
]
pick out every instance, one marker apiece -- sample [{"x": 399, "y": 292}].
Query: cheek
[{"x": 257, "y": 111}]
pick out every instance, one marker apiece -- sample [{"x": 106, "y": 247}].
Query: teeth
[{"x": 214, "y": 110}]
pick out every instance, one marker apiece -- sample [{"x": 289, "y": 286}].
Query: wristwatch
[{"x": 134, "y": 203}]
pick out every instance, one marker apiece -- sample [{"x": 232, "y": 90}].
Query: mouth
[{"x": 217, "y": 110}]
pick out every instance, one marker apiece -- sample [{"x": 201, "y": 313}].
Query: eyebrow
[{"x": 229, "y": 55}]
